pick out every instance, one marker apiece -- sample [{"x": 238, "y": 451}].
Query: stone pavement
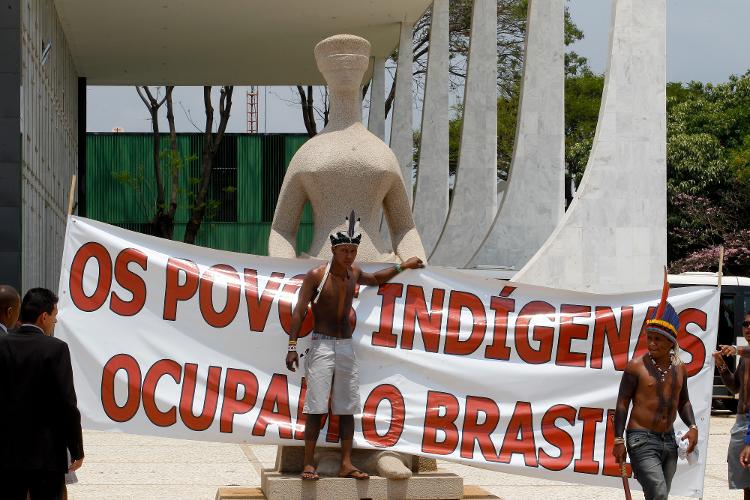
[{"x": 122, "y": 466}]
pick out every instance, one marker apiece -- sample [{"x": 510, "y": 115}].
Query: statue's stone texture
[{"x": 345, "y": 167}]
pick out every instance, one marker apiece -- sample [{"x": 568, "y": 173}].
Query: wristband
[
  {"x": 292, "y": 348},
  {"x": 398, "y": 268},
  {"x": 619, "y": 440},
  {"x": 693, "y": 427}
]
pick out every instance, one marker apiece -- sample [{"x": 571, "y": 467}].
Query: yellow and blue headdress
[{"x": 665, "y": 320}]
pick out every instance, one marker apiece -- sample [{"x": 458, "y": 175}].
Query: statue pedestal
[
  {"x": 277, "y": 486},
  {"x": 422, "y": 478}
]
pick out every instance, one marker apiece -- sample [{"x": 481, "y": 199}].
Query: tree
[
  {"x": 211, "y": 143},
  {"x": 708, "y": 165},
  {"x": 162, "y": 222}
]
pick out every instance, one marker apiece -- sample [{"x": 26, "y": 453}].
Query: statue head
[{"x": 343, "y": 60}]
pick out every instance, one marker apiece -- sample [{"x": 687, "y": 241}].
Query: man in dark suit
[
  {"x": 39, "y": 420},
  {"x": 10, "y": 306}
]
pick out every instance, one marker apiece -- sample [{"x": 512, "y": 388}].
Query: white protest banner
[{"x": 182, "y": 341}]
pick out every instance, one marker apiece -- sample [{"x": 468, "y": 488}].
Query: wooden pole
[{"x": 72, "y": 194}]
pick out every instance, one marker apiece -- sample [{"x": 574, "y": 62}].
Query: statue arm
[
  {"x": 406, "y": 240},
  {"x": 282, "y": 241}
]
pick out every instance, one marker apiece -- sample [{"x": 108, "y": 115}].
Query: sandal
[{"x": 356, "y": 474}]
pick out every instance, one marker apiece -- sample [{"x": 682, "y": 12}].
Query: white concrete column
[
  {"x": 534, "y": 197},
  {"x": 474, "y": 203},
  {"x": 376, "y": 117},
  {"x": 613, "y": 238},
  {"x": 431, "y": 195},
  {"x": 401, "y": 123}
]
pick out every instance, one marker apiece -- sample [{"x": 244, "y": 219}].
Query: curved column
[
  {"x": 534, "y": 200},
  {"x": 401, "y": 124},
  {"x": 376, "y": 116},
  {"x": 474, "y": 202},
  {"x": 614, "y": 236},
  {"x": 431, "y": 193}
]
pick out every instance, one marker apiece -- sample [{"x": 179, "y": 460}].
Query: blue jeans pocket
[{"x": 635, "y": 441}]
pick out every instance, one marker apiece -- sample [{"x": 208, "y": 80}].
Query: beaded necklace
[{"x": 662, "y": 371}]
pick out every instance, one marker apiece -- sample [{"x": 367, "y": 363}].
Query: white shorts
[{"x": 331, "y": 361}]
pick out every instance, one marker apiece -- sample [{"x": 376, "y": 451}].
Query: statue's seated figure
[{"x": 345, "y": 167}]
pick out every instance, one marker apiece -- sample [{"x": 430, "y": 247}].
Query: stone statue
[{"x": 345, "y": 167}]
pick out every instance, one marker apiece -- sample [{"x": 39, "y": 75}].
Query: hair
[
  {"x": 8, "y": 297},
  {"x": 35, "y": 302}
]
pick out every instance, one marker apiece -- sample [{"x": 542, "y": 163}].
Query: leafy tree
[{"x": 708, "y": 169}]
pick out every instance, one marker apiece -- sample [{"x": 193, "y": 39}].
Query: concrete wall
[
  {"x": 613, "y": 236},
  {"x": 49, "y": 128},
  {"x": 534, "y": 200},
  {"x": 474, "y": 201},
  {"x": 431, "y": 192},
  {"x": 401, "y": 141},
  {"x": 10, "y": 144}
]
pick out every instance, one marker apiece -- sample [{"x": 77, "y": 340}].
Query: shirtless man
[
  {"x": 331, "y": 359},
  {"x": 739, "y": 383},
  {"x": 656, "y": 384}
]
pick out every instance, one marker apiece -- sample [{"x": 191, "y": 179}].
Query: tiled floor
[{"x": 121, "y": 466}]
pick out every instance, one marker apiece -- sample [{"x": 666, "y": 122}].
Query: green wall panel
[{"x": 131, "y": 206}]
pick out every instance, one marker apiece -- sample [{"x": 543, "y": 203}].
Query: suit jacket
[{"x": 39, "y": 417}]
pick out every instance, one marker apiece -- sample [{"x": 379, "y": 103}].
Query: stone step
[
  {"x": 234, "y": 493},
  {"x": 427, "y": 485}
]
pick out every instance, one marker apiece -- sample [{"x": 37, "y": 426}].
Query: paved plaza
[{"x": 122, "y": 466}]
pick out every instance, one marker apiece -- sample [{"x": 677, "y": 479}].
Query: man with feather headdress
[
  {"x": 331, "y": 367},
  {"x": 657, "y": 385}
]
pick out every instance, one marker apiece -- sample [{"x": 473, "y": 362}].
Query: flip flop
[
  {"x": 309, "y": 475},
  {"x": 356, "y": 474}
]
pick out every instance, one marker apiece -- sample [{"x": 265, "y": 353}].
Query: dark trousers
[
  {"x": 40, "y": 485},
  {"x": 653, "y": 456}
]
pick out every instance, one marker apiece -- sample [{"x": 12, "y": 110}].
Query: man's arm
[
  {"x": 71, "y": 415},
  {"x": 298, "y": 316},
  {"x": 628, "y": 386},
  {"x": 730, "y": 380},
  {"x": 685, "y": 409},
  {"x": 303, "y": 302},
  {"x": 384, "y": 275}
]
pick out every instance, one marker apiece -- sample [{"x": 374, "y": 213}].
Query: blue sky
[{"x": 707, "y": 40}]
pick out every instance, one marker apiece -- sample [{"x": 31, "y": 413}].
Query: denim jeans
[{"x": 653, "y": 456}]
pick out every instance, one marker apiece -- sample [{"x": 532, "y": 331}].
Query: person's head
[
  {"x": 746, "y": 327},
  {"x": 345, "y": 241},
  {"x": 659, "y": 345},
  {"x": 10, "y": 306},
  {"x": 39, "y": 307},
  {"x": 344, "y": 254},
  {"x": 343, "y": 60}
]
